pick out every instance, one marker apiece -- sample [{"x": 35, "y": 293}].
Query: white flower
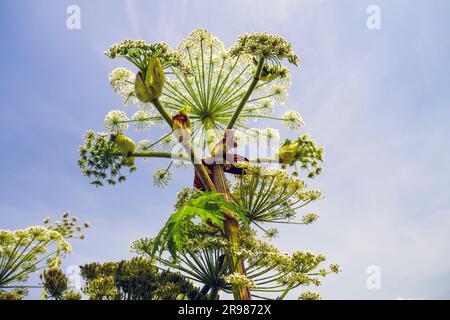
[
  {"x": 122, "y": 83},
  {"x": 271, "y": 233},
  {"x": 272, "y": 134},
  {"x": 142, "y": 120},
  {"x": 168, "y": 142},
  {"x": 309, "y": 295},
  {"x": 309, "y": 218},
  {"x": 128, "y": 97},
  {"x": 279, "y": 92},
  {"x": 263, "y": 44},
  {"x": 256, "y": 132},
  {"x": 162, "y": 177},
  {"x": 120, "y": 78},
  {"x": 198, "y": 38},
  {"x": 116, "y": 121},
  {"x": 285, "y": 77},
  {"x": 293, "y": 120},
  {"x": 266, "y": 107},
  {"x": 238, "y": 279},
  {"x": 145, "y": 145}
]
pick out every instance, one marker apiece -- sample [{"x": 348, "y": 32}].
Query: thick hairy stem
[
  {"x": 232, "y": 232},
  {"x": 231, "y": 224},
  {"x": 204, "y": 177},
  {"x": 220, "y": 181},
  {"x": 183, "y": 133},
  {"x": 247, "y": 94},
  {"x": 200, "y": 168}
]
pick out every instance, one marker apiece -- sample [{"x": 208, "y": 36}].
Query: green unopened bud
[
  {"x": 288, "y": 153},
  {"x": 142, "y": 93},
  {"x": 149, "y": 86},
  {"x": 268, "y": 73},
  {"x": 154, "y": 78},
  {"x": 126, "y": 147}
]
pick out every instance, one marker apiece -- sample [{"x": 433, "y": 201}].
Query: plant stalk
[
  {"x": 247, "y": 94},
  {"x": 166, "y": 115},
  {"x": 232, "y": 232}
]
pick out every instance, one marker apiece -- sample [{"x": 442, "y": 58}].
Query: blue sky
[{"x": 377, "y": 100}]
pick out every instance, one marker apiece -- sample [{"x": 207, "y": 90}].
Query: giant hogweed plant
[{"x": 205, "y": 96}]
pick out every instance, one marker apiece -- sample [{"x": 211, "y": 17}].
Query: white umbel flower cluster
[
  {"x": 116, "y": 121},
  {"x": 272, "y": 134},
  {"x": 279, "y": 92},
  {"x": 309, "y": 218},
  {"x": 145, "y": 146},
  {"x": 142, "y": 120},
  {"x": 162, "y": 177},
  {"x": 35, "y": 233},
  {"x": 263, "y": 44},
  {"x": 309, "y": 295},
  {"x": 122, "y": 83},
  {"x": 237, "y": 279},
  {"x": 293, "y": 120},
  {"x": 120, "y": 78}
]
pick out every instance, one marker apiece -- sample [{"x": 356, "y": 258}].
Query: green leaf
[{"x": 208, "y": 206}]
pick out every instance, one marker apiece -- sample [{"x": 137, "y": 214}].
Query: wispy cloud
[{"x": 376, "y": 100}]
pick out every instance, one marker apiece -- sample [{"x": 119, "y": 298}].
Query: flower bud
[
  {"x": 141, "y": 91},
  {"x": 181, "y": 127},
  {"x": 155, "y": 76},
  {"x": 126, "y": 147},
  {"x": 288, "y": 153},
  {"x": 149, "y": 86},
  {"x": 268, "y": 73}
]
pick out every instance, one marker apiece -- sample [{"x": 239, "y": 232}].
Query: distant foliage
[
  {"x": 23, "y": 252},
  {"x": 137, "y": 279}
]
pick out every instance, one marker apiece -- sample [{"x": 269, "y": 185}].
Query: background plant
[
  {"x": 23, "y": 252},
  {"x": 137, "y": 279}
]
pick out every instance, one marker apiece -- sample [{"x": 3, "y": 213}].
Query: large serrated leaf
[{"x": 208, "y": 207}]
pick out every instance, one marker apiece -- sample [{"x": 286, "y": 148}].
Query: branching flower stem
[
  {"x": 166, "y": 115},
  {"x": 156, "y": 154},
  {"x": 247, "y": 94}
]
